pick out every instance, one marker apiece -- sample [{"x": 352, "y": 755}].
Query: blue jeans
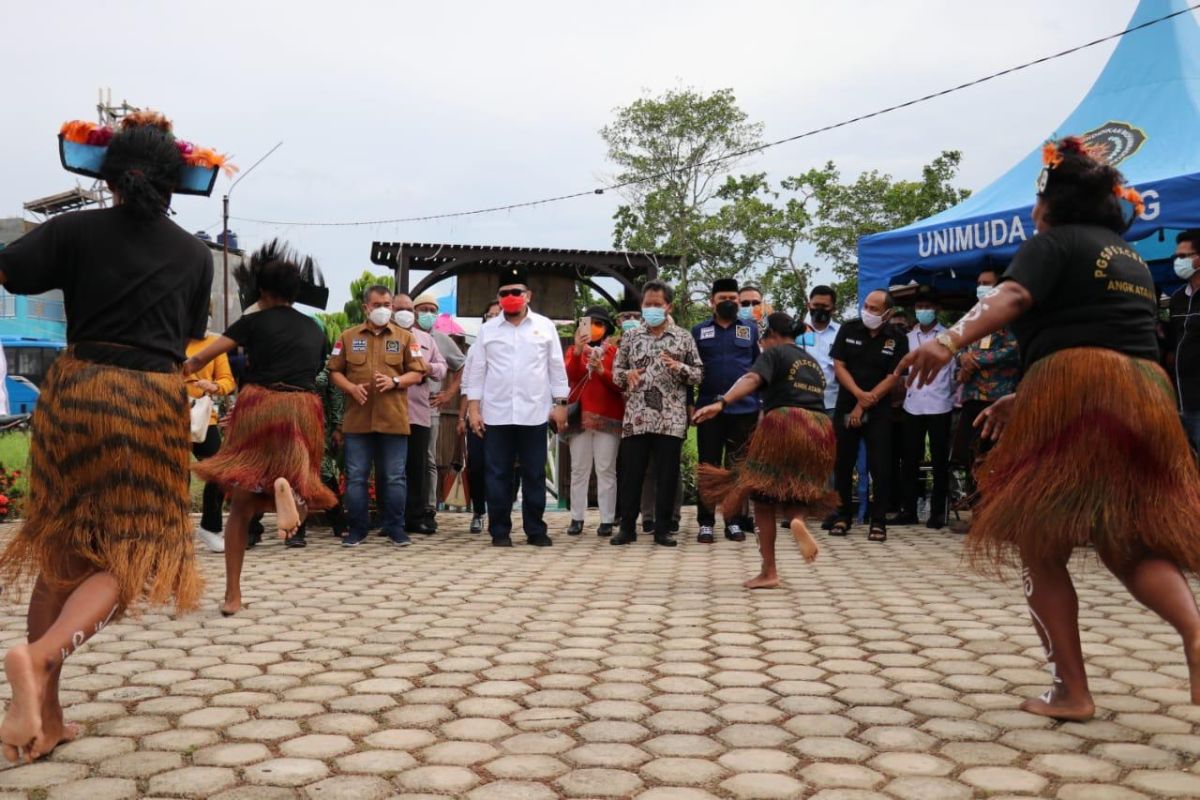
[
  {"x": 1191, "y": 426},
  {"x": 363, "y": 450},
  {"x": 505, "y": 444}
]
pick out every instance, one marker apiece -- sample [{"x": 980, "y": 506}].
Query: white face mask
[
  {"x": 380, "y": 316},
  {"x": 983, "y": 291},
  {"x": 1184, "y": 268},
  {"x": 404, "y": 318},
  {"x": 872, "y": 321}
]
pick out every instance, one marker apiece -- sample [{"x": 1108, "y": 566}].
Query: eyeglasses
[
  {"x": 511, "y": 292},
  {"x": 749, "y": 303}
]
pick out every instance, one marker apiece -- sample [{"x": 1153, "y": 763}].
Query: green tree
[
  {"x": 334, "y": 322},
  {"x": 676, "y": 150},
  {"x": 353, "y": 307},
  {"x": 842, "y": 213}
]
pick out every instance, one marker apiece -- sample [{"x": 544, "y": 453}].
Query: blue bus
[{"x": 29, "y": 358}]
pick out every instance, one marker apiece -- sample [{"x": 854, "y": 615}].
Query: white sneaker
[{"x": 215, "y": 542}]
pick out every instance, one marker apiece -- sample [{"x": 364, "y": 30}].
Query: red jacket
[{"x": 600, "y": 395}]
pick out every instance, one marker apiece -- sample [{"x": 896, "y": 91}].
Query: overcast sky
[{"x": 401, "y": 109}]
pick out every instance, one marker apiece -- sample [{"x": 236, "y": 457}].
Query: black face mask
[
  {"x": 727, "y": 309},
  {"x": 820, "y": 316}
]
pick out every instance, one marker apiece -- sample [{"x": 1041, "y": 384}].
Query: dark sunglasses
[
  {"x": 749, "y": 303},
  {"x": 511, "y": 292}
]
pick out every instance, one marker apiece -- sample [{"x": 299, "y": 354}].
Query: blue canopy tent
[{"x": 1144, "y": 110}]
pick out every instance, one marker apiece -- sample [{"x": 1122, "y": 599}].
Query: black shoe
[
  {"x": 605, "y": 529},
  {"x": 904, "y": 518},
  {"x": 828, "y": 522},
  {"x": 540, "y": 541},
  {"x": 430, "y": 521},
  {"x": 936, "y": 523},
  {"x": 505, "y": 542},
  {"x": 575, "y": 528},
  {"x": 675, "y": 526},
  {"x": 706, "y": 535},
  {"x": 734, "y": 533},
  {"x": 297, "y": 540},
  {"x": 420, "y": 527},
  {"x": 477, "y": 523},
  {"x": 665, "y": 541},
  {"x": 623, "y": 538},
  {"x": 647, "y": 526}
]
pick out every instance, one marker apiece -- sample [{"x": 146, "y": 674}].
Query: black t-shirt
[
  {"x": 1089, "y": 288},
  {"x": 282, "y": 346},
  {"x": 869, "y": 359},
  {"x": 125, "y": 281},
  {"x": 793, "y": 378}
]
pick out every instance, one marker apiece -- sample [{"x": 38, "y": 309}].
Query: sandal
[
  {"x": 840, "y": 528},
  {"x": 878, "y": 533}
]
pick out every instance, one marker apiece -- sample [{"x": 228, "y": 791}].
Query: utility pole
[{"x": 225, "y": 232}]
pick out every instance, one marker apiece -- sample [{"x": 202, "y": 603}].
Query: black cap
[
  {"x": 600, "y": 314},
  {"x": 724, "y": 285},
  {"x": 514, "y": 273}
]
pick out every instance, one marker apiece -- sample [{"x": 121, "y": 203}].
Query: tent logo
[{"x": 1114, "y": 141}]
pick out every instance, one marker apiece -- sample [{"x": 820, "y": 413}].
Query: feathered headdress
[
  {"x": 312, "y": 283},
  {"x": 1053, "y": 152},
  {"x": 83, "y": 146}
]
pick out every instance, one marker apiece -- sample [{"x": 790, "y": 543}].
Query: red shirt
[{"x": 599, "y": 396}]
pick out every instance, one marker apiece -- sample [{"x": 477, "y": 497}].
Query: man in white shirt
[
  {"x": 822, "y": 300},
  {"x": 927, "y": 413},
  {"x": 516, "y": 382}
]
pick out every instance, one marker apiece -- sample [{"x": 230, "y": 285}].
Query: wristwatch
[
  {"x": 947, "y": 341},
  {"x": 722, "y": 401},
  {"x": 561, "y": 401},
  {"x": 396, "y": 381}
]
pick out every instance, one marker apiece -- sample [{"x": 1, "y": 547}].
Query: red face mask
[{"x": 513, "y": 304}]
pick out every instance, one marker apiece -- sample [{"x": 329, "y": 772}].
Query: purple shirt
[{"x": 419, "y": 412}]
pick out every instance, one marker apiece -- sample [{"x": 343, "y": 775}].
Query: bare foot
[
  {"x": 808, "y": 545},
  {"x": 231, "y": 607},
  {"x": 762, "y": 581},
  {"x": 23, "y": 722},
  {"x": 54, "y": 732},
  {"x": 1059, "y": 707},
  {"x": 287, "y": 516}
]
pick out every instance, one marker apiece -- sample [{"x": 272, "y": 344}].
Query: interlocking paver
[{"x": 444, "y": 670}]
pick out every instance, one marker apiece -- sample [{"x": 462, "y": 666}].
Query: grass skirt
[
  {"x": 1094, "y": 452},
  {"x": 108, "y": 485},
  {"x": 273, "y": 435},
  {"x": 789, "y": 459}
]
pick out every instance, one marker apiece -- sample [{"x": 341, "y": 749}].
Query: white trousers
[{"x": 588, "y": 449}]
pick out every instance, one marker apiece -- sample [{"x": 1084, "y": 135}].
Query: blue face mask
[
  {"x": 745, "y": 313},
  {"x": 983, "y": 291},
  {"x": 807, "y": 339},
  {"x": 629, "y": 324},
  {"x": 1184, "y": 268},
  {"x": 426, "y": 319},
  {"x": 926, "y": 316},
  {"x": 653, "y": 317}
]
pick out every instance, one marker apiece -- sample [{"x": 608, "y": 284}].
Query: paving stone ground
[{"x": 586, "y": 671}]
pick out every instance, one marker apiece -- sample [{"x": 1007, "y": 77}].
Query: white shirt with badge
[
  {"x": 518, "y": 371},
  {"x": 821, "y": 352},
  {"x": 936, "y": 397}
]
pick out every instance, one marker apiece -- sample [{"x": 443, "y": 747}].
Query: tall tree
[
  {"x": 674, "y": 151},
  {"x": 842, "y": 213},
  {"x": 353, "y": 307}
]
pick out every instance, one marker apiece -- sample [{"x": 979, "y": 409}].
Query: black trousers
[
  {"x": 476, "y": 473},
  {"x": 877, "y": 433},
  {"x": 935, "y": 427},
  {"x": 635, "y": 457},
  {"x": 969, "y": 446},
  {"x": 417, "y": 469},
  {"x": 720, "y": 442},
  {"x": 214, "y": 498}
]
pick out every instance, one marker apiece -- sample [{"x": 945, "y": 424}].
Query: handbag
[
  {"x": 457, "y": 493},
  {"x": 201, "y": 416},
  {"x": 574, "y": 410}
]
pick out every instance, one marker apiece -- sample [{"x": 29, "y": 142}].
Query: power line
[{"x": 740, "y": 153}]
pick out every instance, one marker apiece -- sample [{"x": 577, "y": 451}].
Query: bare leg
[
  {"x": 807, "y": 544},
  {"x": 1054, "y": 607},
  {"x": 288, "y": 513},
  {"x": 1159, "y": 585},
  {"x": 237, "y": 530},
  {"x": 28, "y": 667},
  {"x": 768, "y": 577},
  {"x": 44, "y": 607}
]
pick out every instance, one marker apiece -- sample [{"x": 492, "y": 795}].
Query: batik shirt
[
  {"x": 658, "y": 404},
  {"x": 999, "y": 367}
]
